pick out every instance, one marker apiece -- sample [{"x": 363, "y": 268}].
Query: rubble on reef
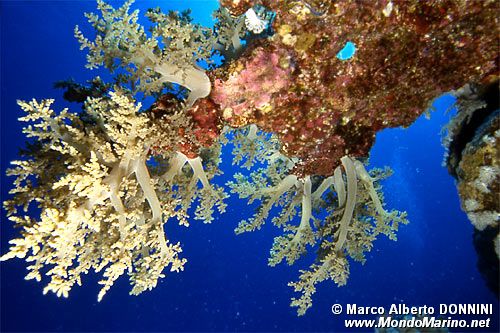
[{"x": 116, "y": 173}]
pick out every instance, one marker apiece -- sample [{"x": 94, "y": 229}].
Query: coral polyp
[{"x": 108, "y": 180}]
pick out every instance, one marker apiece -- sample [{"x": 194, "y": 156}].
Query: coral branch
[
  {"x": 101, "y": 206},
  {"x": 355, "y": 217}
]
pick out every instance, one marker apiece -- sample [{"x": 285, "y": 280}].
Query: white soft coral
[
  {"x": 253, "y": 22},
  {"x": 101, "y": 206}
]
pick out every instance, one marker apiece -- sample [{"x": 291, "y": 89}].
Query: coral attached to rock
[
  {"x": 104, "y": 182},
  {"x": 102, "y": 205},
  {"x": 355, "y": 216},
  {"x": 405, "y": 57}
]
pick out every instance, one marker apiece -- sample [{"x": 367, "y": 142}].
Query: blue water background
[{"x": 227, "y": 284}]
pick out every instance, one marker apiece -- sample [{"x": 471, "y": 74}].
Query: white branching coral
[
  {"x": 103, "y": 183},
  {"x": 174, "y": 172},
  {"x": 102, "y": 207},
  {"x": 355, "y": 217},
  {"x": 229, "y": 31},
  {"x": 272, "y": 187},
  {"x": 168, "y": 55},
  {"x": 252, "y": 146}
]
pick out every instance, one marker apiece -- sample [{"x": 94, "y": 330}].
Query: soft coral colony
[{"x": 108, "y": 179}]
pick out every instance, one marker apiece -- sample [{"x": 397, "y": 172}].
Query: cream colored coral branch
[{"x": 101, "y": 207}]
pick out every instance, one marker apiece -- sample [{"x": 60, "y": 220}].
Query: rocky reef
[
  {"x": 472, "y": 157},
  {"x": 407, "y": 54}
]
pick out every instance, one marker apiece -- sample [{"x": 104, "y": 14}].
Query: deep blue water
[{"x": 227, "y": 284}]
